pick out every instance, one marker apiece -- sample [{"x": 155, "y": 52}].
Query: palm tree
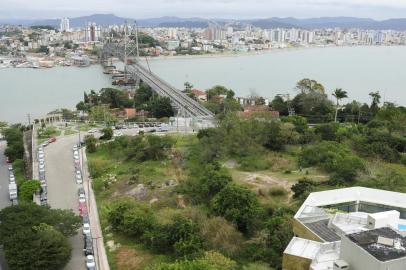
[
  {"x": 376, "y": 99},
  {"x": 339, "y": 94}
]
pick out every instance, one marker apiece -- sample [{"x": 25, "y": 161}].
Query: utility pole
[
  {"x": 136, "y": 39},
  {"x": 29, "y": 119},
  {"x": 125, "y": 51}
]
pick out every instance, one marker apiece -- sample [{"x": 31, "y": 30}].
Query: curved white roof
[{"x": 354, "y": 194}]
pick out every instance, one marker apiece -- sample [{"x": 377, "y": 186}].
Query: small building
[{"x": 201, "y": 95}]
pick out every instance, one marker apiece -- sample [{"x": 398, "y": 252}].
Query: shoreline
[{"x": 255, "y": 53}]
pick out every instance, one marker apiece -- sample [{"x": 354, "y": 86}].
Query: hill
[{"x": 274, "y": 22}]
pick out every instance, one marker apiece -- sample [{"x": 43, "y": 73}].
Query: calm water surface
[
  {"x": 39, "y": 91},
  {"x": 358, "y": 70}
]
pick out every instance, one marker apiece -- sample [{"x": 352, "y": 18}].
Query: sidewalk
[{"x": 98, "y": 242}]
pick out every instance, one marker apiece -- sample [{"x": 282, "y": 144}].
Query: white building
[
  {"x": 352, "y": 228},
  {"x": 64, "y": 25}
]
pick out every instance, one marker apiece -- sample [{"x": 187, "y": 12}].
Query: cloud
[{"x": 206, "y": 8}]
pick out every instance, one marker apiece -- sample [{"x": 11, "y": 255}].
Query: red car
[
  {"x": 82, "y": 209},
  {"x": 52, "y": 139}
]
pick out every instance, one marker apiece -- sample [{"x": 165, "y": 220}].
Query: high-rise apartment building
[{"x": 64, "y": 25}]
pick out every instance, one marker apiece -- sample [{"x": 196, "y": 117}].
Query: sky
[{"x": 238, "y": 9}]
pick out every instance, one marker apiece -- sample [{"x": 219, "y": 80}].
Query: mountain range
[{"x": 274, "y": 22}]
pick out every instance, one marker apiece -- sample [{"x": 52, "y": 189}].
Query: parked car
[
  {"x": 82, "y": 209},
  {"x": 81, "y": 191},
  {"x": 10, "y": 167},
  {"x": 82, "y": 198},
  {"x": 85, "y": 219},
  {"x": 77, "y": 164},
  {"x": 86, "y": 228},
  {"x": 78, "y": 179},
  {"x": 88, "y": 245},
  {"x": 90, "y": 263},
  {"x": 45, "y": 144},
  {"x": 51, "y": 140}
]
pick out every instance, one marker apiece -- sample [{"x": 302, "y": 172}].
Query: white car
[
  {"x": 12, "y": 178},
  {"x": 41, "y": 156},
  {"x": 78, "y": 179},
  {"x": 41, "y": 166},
  {"x": 82, "y": 198},
  {"x": 92, "y": 130},
  {"x": 42, "y": 170},
  {"x": 86, "y": 228},
  {"x": 90, "y": 262}
]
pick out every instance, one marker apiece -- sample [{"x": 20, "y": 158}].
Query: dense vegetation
[
  {"x": 224, "y": 199},
  {"x": 102, "y": 105},
  {"x": 35, "y": 237},
  {"x": 15, "y": 145}
]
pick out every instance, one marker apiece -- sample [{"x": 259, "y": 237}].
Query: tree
[
  {"x": 188, "y": 87},
  {"x": 376, "y": 100},
  {"x": 37, "y": 248},
  {"x": 15, "y": 144},
  {"x": 302, "y": 188},
  {"x": 35, "y": 237},
  {"x": 115, "y": 98},
  {"x": 101, "y": 113},
  {"x": 27, "y": 190},
  {"x": 82, "y": 107},
  {"x": 315, "y": 106},
  {"x": 278, "y": 104},
  {"x": 279, "y": 234},
  {"x": 216, "y": 91},
  {"x": 161, "y": 107},
  {"x": 339, "y": 94},
  {"x": 142, "y": 96},
  {"x": 90, "y": 142},
  {"x": 107, "y": 134},
  {"x": 308, "y": 86},
  {"x": 238, "y": 205}
]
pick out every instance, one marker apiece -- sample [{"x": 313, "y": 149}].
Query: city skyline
[{"x": 238, "y": 9}]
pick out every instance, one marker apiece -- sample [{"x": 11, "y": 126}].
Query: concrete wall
[
  {"x": 291, "y": 262},
  {"x": 303, "y": 232}
]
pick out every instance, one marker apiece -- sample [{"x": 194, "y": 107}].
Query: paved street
[
  {"x": 4, "y": 179},
  {"x": 62, "y": 189}
]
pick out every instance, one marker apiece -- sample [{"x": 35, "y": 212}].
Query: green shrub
[
  {"x": 252, "y": 163},
  {"x": 334, "y": 158},
  {"x": 27, "y": 190},
  {"x": 238, "y": 205},
  {"x": 98, "y": 167},
  {"x": 303, "y": 188},
  {"x": 210, "y": 261},
  {"x": 278, "y": 191}
]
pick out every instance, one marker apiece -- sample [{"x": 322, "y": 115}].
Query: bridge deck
[{"x": 182, "y": 102}]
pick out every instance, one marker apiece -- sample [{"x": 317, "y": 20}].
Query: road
[
  {"x": 62, "y": 189},
  {"x": 4, "y": 179}
]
